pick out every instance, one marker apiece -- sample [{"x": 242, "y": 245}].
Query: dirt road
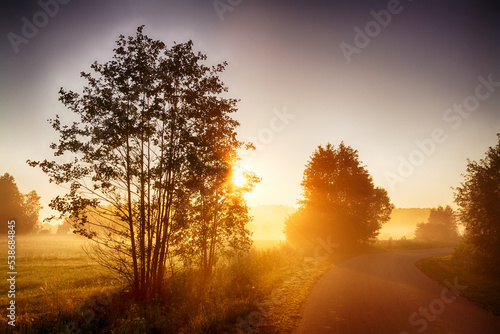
[{"x": 386, "y": 293}]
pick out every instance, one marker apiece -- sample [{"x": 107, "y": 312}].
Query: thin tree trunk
[
  {"x": 131, "y": 220},
  {"x": 213, "y": 241}
]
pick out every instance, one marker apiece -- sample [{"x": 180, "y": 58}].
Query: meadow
[
  {"x": 57, "y": 284},
  {"x": 54, "y": 275},
  {"x": 480, "y": 288}
]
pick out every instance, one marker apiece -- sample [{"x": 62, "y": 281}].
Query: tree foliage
[
  {"x": 23, "y": 208},
  {"x": 478, "y": 197},
  {"x": 339, "y": 201},
  {"x": 440, "y": 226},
  {"x": 218, "y": 220},
  {"x": 154, "y": 134}
]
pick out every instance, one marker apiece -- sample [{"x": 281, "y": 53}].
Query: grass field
[
  {"x": 481, "y": 289},
  {"x": 53, "y": 275}
]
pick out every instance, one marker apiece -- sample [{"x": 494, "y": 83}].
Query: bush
[
  {"x": 479, "y": 200},
  {"x": 474, "y": 259}
]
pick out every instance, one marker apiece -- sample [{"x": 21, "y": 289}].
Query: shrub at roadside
[{"x": 479, "y": 200}]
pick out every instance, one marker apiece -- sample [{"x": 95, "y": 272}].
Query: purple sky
[{"x": 297, "y": 88}]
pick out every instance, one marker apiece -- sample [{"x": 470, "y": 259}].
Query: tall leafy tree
[
  {"x": 23, "y": 208},
  {"x": 339, "y": 201},
  {"x": 143, "y": 117},
  {"x": 478, "y": 198},
  {"x": 218, "y": 212},
  {"x": 440, "y": 226}
]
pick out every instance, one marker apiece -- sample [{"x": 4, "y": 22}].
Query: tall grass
[
  {"x": 480, "y": 287},
  {"x": 192, "y": 305},
  {"x": 53, "y": 276},
  {"x": 57, "y": 284}
]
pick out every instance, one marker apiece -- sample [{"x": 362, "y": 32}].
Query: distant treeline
[{"x": 269, "y": 221}]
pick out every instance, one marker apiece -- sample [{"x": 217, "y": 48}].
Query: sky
[{"x": 414, "y": 86}]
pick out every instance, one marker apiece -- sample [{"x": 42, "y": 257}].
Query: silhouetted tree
[
  {"x": 218, "y": 213},
  {"x": 24, "y": 209},
  {"x": 143, "y": 116},
  {"x": 339, "y": 201},
  {"x": 440, "y": 226},
  {"x": 218, "y": 216},
  {"x": 478, "y": 197}
]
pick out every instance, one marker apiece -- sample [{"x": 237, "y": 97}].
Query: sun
[{"x": 238, "y": 177}]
